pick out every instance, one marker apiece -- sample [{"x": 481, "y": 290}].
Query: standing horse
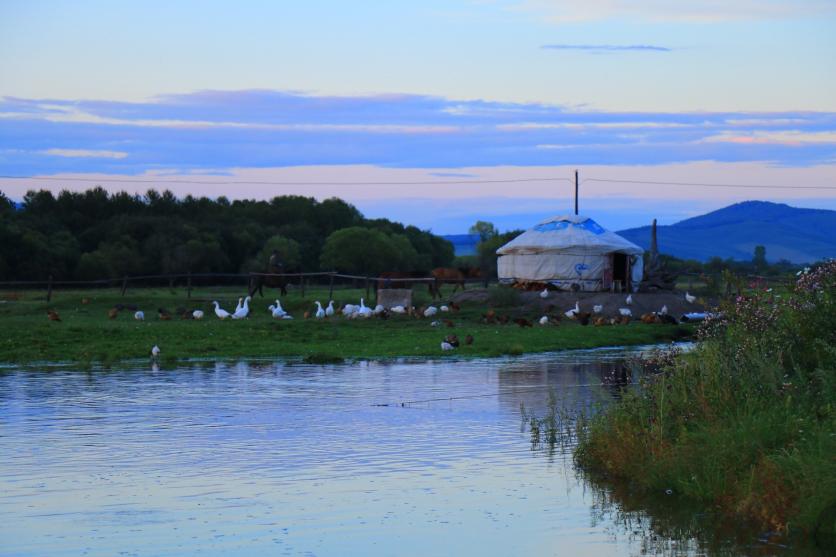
[
  {"x": 446, "y": 275},
  {"x": 270, "y": 281}
]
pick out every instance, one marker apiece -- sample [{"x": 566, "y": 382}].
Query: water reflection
[{"x": 264, "y": 457}]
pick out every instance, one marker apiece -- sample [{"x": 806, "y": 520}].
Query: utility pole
[{"x": 576, "y": 192}]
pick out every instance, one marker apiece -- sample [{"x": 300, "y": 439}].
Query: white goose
[
  {"x": 197, "y": 314},
  {"x": 239, "y": 306},
  {"x": 629, "y": 300},
  {"x": 626, "y": 312},
  {"x": 690, "y": 299},
  {"x": 544, "y": 320},
  {"x": 320, "y": 312},
  {"x": 244, "y": 311},
  {"x": 430, "y": 311},
  {"x": 329, "y": 311},
  {"x": 221, "y": 313},
  {"x": 574, "y": 311},
  {"x": 277, "y": 310},
  {"x": 139, "y": 316},
  {"x": 155, "y": 351},
  {"x": 598, "y": 309},
  {"x": 444, "y": 308},
  {"x": 349, "y": 309},
  {"x": 545, "y": 293},
  {"x": 364, "y": 311},
  {"x": 664, "y": 310},
  {"x": 398, "y": 309},
  {"x": 378, "y": 309}
]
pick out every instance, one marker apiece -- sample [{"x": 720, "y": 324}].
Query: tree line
[{"x": 95, "y": 234}]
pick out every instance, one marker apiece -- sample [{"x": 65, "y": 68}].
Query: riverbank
[
  {"x": 745, "y": 424},
  {"x": 86, "y": 332}
]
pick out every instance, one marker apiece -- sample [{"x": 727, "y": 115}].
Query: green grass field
[{"x": 85, "y": 333}]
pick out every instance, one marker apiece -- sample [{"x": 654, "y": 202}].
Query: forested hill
[
  {"x": 790, "y": 233},
  {"x": 93, "y": 235}
]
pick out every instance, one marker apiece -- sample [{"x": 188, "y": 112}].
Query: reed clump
[{"x": 745, "y": 422}]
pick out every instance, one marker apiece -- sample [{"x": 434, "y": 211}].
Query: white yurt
[{"x": 572, "y": 252}]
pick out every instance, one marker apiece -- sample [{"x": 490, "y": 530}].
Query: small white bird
[
  {"x": 690, "y": 299},
  {"x": 545, "y": 293},
  {"x": 320, "y": 313},
  {"x": 239, "y": 306},
  {"x": 435, "y": 324},
  {"x": 197, "y": 314},
  {"x": 139, "y": 316},
  {"x": 221, "y": 313},
  {"x": 430, "y": 311},
  {"x": 544, "y": 320},
  {"x": 574, "y": 311},
  {"x": 626, "y": 312},
  {"x": 446, "y": 346},
  {"x": 599, "y": 309},
  {"x": 398, "y": 309},
  {"x": 155, "y": 351},
  {"x": 348, "y": 309},
  {"x": 444, "y": 308},
  {"x": 629, "y": 300},
  {"x": 378, "y": 309},
  {"x": 329, "y": 311},
  {"x": 664, "y": 310}
]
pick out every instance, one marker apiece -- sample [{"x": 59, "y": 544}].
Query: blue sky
[{"x": 706, "y": 90}]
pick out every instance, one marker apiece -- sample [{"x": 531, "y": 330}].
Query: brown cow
[{"x": 446, "y": 275}]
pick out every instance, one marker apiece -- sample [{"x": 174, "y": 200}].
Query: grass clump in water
[
  {"x": 746, "y": 421},
  {"x": 323, "y": 358}
]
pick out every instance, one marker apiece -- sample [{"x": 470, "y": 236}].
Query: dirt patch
[{"x": 643, "y": 302}]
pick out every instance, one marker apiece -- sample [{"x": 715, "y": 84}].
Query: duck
[
  {"x": 243, "y": 311},
  {"x": 239, "y": 306},
  {"x": 139, "y": 316},
  {"x": 598, "y": 309},
  {"x": 398, "y": 309},
  {"x": 320, "y": 313},
  {"x": 155, "y": 351},
  {"x": 545, "y": 293},
  {"x": 430, "y": 311},
  {"x": 625, "y": 312},
  {"x": 664, "y": 310},
  {"x": 197, "y": 314},
  {"x": 544, "y": 320},
  {"x": 689, "y": 298},
  {"x": 378, "y": 309},
  {"x": 574, "y": 311},
  {"x": 221, "y": 313},
  {"x": 277, "y": 311},
  {"x": 329, "y": 311},
  {"x": 349, "y": 309},
  {"x": 446, "y": 346},
  {"x": 444, "y": 309},
  {"x": 629, "y": 299}
]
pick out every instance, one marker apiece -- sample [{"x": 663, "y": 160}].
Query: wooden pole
[
  {"x": 331, "y": 287},
  {"x": 302, "y": 284},
  {"x": 576, "y": 192},
  {"x": 189, "y": 286},
  {"x": 49, "y": 290},
  {"x": 124, "y": 284},
  {"x": 367, "y": 288}
]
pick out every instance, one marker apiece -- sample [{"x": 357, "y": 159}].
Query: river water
[{"x": 277, "y": 458}]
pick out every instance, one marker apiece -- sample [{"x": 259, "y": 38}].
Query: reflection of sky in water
[{"x": 270, "y": 458}]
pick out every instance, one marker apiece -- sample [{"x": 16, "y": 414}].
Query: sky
[{"x": 435, "y": 113}]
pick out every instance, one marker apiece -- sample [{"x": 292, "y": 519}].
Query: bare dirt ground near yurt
[{"x": 643, "y": 302}]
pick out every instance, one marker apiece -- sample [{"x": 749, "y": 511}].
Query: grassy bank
[
  {"x": 745, "y": 423},
  {"x": 85, "y": 333}
]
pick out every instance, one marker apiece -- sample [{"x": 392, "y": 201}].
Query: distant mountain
[
  {"x": 463, "y": 244},
  {"x": 798, "y": 235}
]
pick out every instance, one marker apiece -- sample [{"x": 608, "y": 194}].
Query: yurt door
[{"x": 620, "y": 274}]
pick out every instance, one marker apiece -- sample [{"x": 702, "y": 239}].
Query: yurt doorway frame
[{"x": 620, "y": 272}]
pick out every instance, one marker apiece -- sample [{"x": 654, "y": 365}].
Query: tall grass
[{"x": 745, "y": 422}]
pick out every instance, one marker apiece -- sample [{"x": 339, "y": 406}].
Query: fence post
[
  {"x": 189, "y": 286},
  {"x": 367, "y": 288},
  {"x": 124, "y": 284},
  {"x": 331, "y": 287},
  {"x": 49, "y": 289},
  {"x": 302, "y": 284}
]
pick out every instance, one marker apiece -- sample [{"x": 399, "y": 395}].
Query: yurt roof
[{"x": 569, "y": 234}]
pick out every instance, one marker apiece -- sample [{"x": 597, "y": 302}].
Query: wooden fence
[{"x": 172, "y": 278}]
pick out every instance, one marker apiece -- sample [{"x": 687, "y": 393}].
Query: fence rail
[{"x": 124, "y": 281}]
